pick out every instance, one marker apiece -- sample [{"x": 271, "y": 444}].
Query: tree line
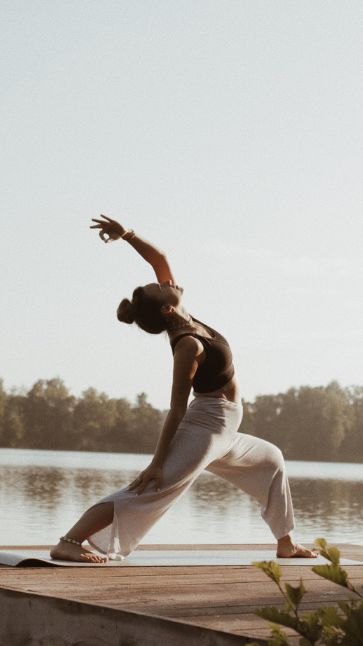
[{"x": 307, "y": 423}]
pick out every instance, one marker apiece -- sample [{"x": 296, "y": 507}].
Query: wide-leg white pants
[{"x": 206, "y": 438}]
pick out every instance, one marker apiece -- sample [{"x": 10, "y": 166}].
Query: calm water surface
[{"x": 42, "y": 494}]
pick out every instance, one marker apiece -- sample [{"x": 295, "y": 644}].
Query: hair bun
[{"x": 125, "y": 311}]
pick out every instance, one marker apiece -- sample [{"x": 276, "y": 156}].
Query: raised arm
[{"x": 156, "y": 258}]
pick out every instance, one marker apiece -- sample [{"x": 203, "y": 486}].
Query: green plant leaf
[
  {"x": 329, "y": 616},
  {"x": 277, "y": 616},
  {"x": 295, "y": 593},
  {"x": 278, "y": 637},
  {"x": 332, "y": 554},
  {"x": 333, "y": 573},
  {"x": 332, "y": 636},
  {"x": 270, "y": 568},
  {"x": 353, "y": 622},
  {"x": 321, "y": 543},
  {"x": 305, "y": 642},
  {"x": 310, "y": 626}
]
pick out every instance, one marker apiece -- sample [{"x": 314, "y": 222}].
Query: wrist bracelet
[{"x": 128, "y": 235}]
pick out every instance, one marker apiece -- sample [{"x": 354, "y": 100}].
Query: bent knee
[{"x": 275, "y": 457}]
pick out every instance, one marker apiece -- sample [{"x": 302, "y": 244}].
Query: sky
[{"x": 229, "y": 133}]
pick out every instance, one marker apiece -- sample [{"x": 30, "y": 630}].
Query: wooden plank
[{"x": 221, "y": 598}]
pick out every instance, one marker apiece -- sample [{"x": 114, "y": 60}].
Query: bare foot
[
  {"x": 295, "y": 551},
  {"x": 72, "y": 552}
]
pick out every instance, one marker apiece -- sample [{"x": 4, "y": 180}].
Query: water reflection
[
  {"x": 42, "y": 493},
  {"x": 330, "y": 507}
]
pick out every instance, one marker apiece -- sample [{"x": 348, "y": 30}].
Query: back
[{"x": 217, "y": 368}]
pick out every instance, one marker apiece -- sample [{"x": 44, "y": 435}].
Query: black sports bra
[{"x": 217, "y": 368}]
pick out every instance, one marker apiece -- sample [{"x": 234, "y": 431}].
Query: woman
[{"x": 200, "y": 436}]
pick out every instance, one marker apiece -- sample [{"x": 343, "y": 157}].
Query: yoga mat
[{"x": 159, "y": 558}]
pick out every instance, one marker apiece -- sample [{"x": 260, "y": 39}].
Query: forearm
[
  {"x": 148, "y": 251},
  {"x": 113, "y": 230},
  {"x": 171, "y": 424},
  {"x": 152, "y": 255}
]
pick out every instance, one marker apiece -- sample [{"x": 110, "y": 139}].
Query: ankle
[
  {"x": 67, "y": 539},
  {"x": 285, "y": 541}
]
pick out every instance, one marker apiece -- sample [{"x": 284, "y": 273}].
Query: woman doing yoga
[{"x": 200, "y": 436}]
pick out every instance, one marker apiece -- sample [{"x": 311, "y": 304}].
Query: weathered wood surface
[{"x": 221, "y": 598}]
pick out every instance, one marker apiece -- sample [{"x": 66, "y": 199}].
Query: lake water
[{"x": 42, "y": 494}]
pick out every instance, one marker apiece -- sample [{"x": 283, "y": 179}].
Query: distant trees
[
  {"x": 49, "y": 417},
  {"x": 353, "y": 440},
  {"x": 320, "y": 423}
]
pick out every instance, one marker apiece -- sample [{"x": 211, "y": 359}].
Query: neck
[{"x": 180, "y": 322}]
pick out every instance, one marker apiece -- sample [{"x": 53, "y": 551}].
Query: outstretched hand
[
  {"x": 152, "y": 472},
  {"x": 108, "y": 227}
]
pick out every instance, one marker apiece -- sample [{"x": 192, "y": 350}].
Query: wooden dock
[{"x": 149, "y": 606}]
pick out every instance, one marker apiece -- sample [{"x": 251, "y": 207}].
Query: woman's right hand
[
  {"x": 152, "y": 472},
  {"x": 114, "y": 230}
]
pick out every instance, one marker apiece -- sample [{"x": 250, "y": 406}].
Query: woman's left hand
[
  {"x": 153, "y": 472},
  {"x": 114, "y": 230}
]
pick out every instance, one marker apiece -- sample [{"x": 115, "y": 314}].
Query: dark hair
[{"x": 144, "y": 311}]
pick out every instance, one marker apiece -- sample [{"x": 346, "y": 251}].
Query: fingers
[
  {"x": 102, "y": 236},
  {"x": 139, "y": 485},
  {"x": 100, "y": 222},
  {"x": 134, "y": 484},
  {"x": 108, "y": 220},
  {"x": 106, "y": 227},
  {"x": 142, "y": 486},
  {"x": 139, "y": 489}
]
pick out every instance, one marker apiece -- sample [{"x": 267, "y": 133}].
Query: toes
[
  {"x": 297, "y": 551},
  {"x": 93, "y": 558},
  {"x": 89, "y": 557},
  {"x": 305, "y": 551}
]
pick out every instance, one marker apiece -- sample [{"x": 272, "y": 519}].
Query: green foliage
[
  {"x": 270, "y": 568},
  {"x": 333, "y": 573},
  {"x": 295, "y": 594},
  {"x": 276, "y": 616},
  {"x": 49, "y": 417},
  {"x": 321, "y": 423},
  {"x": 328, "y": 626},
  {"x": 278, "y": 637},
  {"x": 332, "y": 554}
]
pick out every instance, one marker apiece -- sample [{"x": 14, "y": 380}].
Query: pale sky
[{"x": 227, "y": 132}]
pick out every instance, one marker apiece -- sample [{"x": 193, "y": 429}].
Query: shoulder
[{"x": 188, "y": 345}]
